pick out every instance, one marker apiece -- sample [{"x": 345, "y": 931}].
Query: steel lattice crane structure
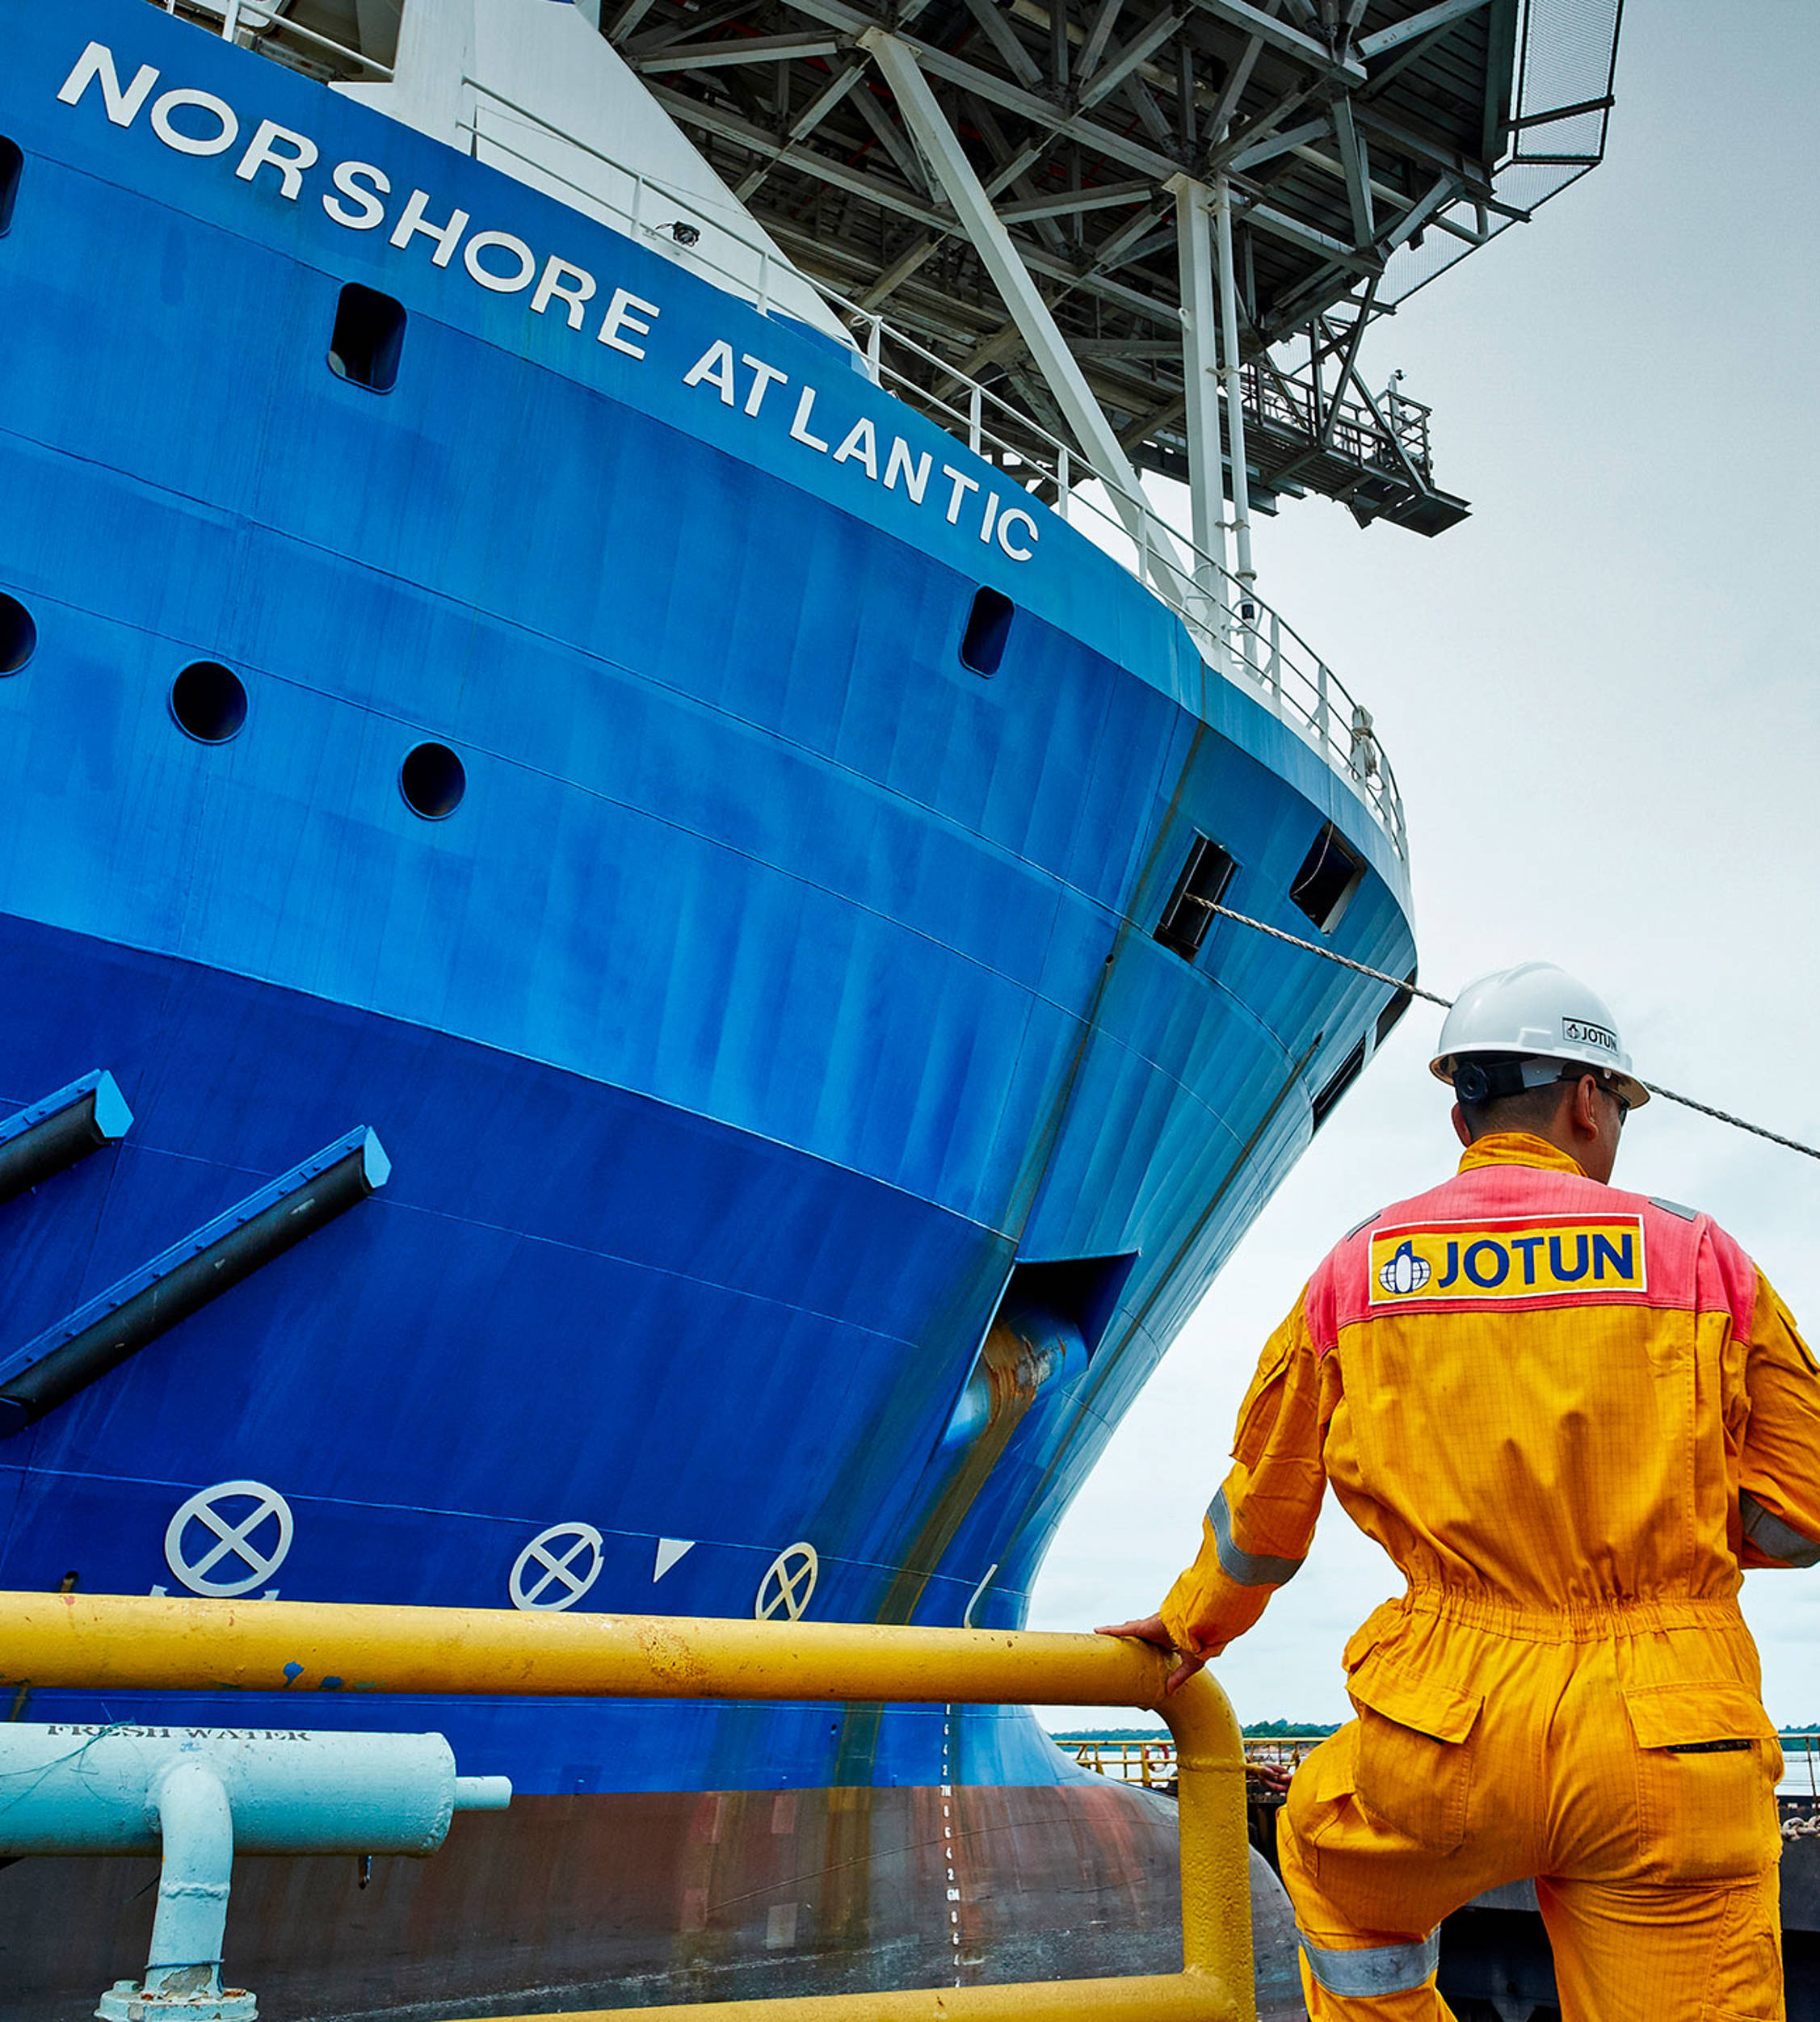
[{"x": 1354, "y": 148}]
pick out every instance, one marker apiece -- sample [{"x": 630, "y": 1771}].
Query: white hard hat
[{"x": 1544, "y": 1014}]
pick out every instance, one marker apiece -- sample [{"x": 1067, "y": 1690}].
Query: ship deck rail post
[{"x": 121, "y": 1643}]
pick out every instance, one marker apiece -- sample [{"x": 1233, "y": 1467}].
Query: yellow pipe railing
[{"x": 105, "y": 1642}]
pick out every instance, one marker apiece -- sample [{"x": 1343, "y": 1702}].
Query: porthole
[
  {"x": 368, "y": 338},
  {"x": 432, "y": 781},
  {"x": 989, "y": 626},
  {"x": 19, "y": 636},
  {"x": 12, "y": 166},
  {"x": 1348, "y": 1072},
  {"x": 1394, "y": 1011},
  {"x": 208, "y": 702}
]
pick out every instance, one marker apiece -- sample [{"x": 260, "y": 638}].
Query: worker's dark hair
[{"x": 1492, "y": 1096}]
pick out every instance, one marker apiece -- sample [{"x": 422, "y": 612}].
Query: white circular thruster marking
[
  {"x": 549, "y": 1561},
  {"x": 789, "y": 1581},
  {"x": 229, "y": 1534}
]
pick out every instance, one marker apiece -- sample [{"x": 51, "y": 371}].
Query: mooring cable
[{"x": 1410, "y": 988}]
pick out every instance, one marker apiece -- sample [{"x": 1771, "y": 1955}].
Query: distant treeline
[{"x": 1262, "y": 1731}]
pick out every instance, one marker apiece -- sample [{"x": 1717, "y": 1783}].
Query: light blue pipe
[
  {"x": 199, "y": 1793},
  {"x": 196, "y": 1822}
]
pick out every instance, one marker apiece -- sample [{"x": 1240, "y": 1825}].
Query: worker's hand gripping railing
[{"x": 103, "y": 1642}]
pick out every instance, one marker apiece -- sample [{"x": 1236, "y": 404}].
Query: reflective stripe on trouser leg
[{"x": 1379, "y": 1968}]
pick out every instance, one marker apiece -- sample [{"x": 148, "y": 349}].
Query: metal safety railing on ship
[
  {"x": 108, "y": 1643},
  {"x": 1801, "y": 1765},
  {"x": 1152, "y": 1763},
  {"x": 317, "y": 54}
]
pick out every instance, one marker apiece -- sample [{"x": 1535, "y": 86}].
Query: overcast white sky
[{"x": 1599, "y": 695}]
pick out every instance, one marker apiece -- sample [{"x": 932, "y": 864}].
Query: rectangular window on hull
[
  {"x": 1350, "y": 1068},
  {"x": 12, "y": 166},
  {"x": 368, "y": 338},
  {"x": 1388, "y": 1017},
  {"x": 1329, "y": 875},
  {"x": 1202, "y": 885},
  {"x": 989, "y": 626}
]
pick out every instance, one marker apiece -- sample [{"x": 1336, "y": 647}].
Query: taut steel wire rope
[{"x": 1429, "y": 997}]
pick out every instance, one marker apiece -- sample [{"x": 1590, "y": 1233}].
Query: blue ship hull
[{"x": 781, "y": 992}]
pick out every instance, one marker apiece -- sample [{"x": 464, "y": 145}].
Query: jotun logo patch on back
[{"x": 1533, "y": 1256}]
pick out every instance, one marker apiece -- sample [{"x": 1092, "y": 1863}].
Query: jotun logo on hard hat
[
  {"x": 1576, "y": 1031},
  {"x": 1535, "y": 1257}
]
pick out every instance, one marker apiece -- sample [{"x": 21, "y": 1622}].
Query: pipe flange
[{"x": 128, "y": 2001}]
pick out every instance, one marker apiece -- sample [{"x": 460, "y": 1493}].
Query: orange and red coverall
[{"x": 1570, "y": 1415}]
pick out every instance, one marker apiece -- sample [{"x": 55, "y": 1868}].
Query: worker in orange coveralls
[{"x": 1571, "y": 1416}]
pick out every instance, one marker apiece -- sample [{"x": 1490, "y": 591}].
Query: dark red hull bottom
[{"x": 631, "y": 1900}]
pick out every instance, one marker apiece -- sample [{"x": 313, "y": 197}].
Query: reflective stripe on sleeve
[
  {"x": 1381, "y": 1969},
  {"x": 1765, "y": 1530},
  {"x": 1245, "y": 1569}
]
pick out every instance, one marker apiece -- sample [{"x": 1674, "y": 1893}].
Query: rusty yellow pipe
[
  {"x": 106, "y": 1642},
  {"x": 130, "y": 1641}
]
